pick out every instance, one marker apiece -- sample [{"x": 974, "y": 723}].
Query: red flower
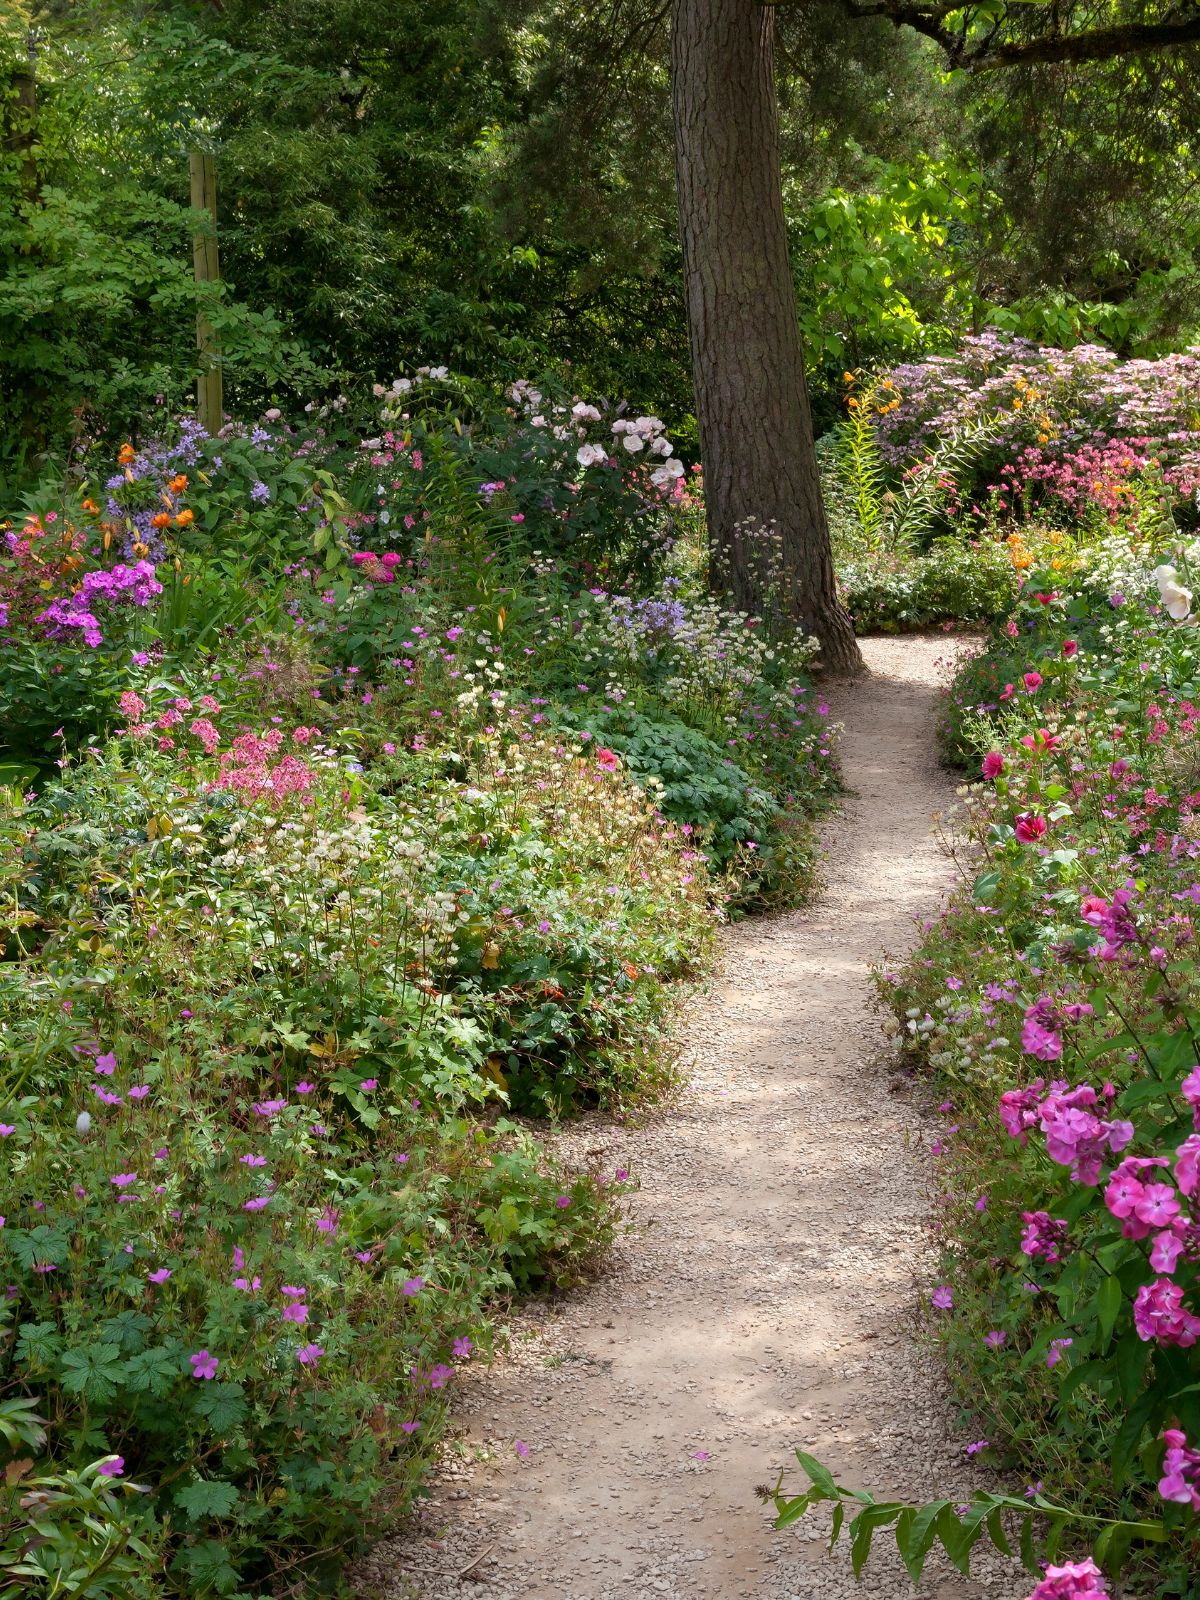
[
  {"x": 1030, "y": 827},
  {"x": 608, "y": 759},
  {"x": 993, "y": 764}
]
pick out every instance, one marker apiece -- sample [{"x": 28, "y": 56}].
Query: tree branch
[{"x": 990, "y": 54}]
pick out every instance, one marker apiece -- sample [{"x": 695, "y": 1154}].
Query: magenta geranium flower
[{"x": 204, "y": 1365}]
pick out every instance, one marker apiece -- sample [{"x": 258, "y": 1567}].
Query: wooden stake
[{"x": 210, "y": 386}]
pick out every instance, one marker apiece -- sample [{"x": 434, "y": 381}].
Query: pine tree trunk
[{"x": 768, "y": 533}]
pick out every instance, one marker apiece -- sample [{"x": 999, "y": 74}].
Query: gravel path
[{"x": 768, "y": 1295}]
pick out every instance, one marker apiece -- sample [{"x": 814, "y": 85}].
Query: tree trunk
[{"x": 768, "y": 534}]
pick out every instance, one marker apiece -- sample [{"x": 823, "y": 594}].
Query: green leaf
[
  {"x": 93, "y": 1371},
  {"x": 821, "y": 1477},
  {"x": 914, "y": 1538},
  {"x": 127, "y": 1330},
  {"x": 996, "y": 1533},
  {"x": 38, "y": 1246},
  {"x": 38, "y": 1343},
  {"x": 1108, "y": 1307},
  {"x": 154, "y": 1371},
  {"x": 222, "y": 1404},
  {"x": 207, "y": 1497}
]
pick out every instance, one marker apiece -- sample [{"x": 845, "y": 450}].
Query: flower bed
[{"x": 1056, "y": 1005}]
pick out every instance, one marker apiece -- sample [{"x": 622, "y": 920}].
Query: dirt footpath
[{"x": 769, "y": 1293}]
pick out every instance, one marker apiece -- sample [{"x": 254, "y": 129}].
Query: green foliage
[
  {"x": 1032, "y": 1526},
  {"x": 955, "y": 582}
]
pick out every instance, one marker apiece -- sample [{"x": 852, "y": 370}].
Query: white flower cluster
[
  {"x": 393, "y": 396},
  {"x": 632, "y": 434}
]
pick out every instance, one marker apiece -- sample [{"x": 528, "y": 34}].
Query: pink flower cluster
[
  {"x": 1114, "y": 920},
  {"x": 379, "y": 568},
  {"x": 1159, "y": 1314},
  {"x": 1180, "y": 1481},
  {"x": 254, "y": 769},
  {"x": 1076, "y": 1136},
  {"x": 1041, "y": 1033},
  {"x": 1043, "y": 1235},
  {"x": 1074, "y": 1580}
]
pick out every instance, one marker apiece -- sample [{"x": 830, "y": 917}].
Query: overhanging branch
[{"x": 992, "y": 52}]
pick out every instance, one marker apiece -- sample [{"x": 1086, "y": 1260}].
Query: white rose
[
  {"x": 633, "y": 443},
  {"x": 667, "y": 473},
  {"x": 590, "y": 455}
]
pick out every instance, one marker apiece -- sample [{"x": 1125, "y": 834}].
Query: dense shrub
[{"x": 256, "y": 1003}]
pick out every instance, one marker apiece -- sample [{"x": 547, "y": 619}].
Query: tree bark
[{"x": 768, "y": 534}]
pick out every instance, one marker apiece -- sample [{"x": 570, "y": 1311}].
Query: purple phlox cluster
[
  {"x": 1113, "y": 919},
  {"x": 74, "y": 613},
  {"x": 1041, "y": 1033},
  {"x": 1043, "y": 1235},
  {"x": 1159, "y": 1314},
  {"x": 1076, "y": 1136},
  {"x": 1074, "y": 1580},
  {"x": 1180, "y": 1481}
]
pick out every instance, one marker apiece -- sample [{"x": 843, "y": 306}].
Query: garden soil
[{"x": 774, "y": 1290}]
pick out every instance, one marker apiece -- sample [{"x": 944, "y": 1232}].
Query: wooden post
[{"x": 210, "y": 386}]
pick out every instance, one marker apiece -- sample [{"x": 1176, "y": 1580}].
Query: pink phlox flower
[
  {"x": 1043, "y": 1235},
  {"x": 1054, "y": 1353},
  {"x": 942, "y": 1298},
  {"x": 327, "y": 1222},
  {"x": 294, "y": 1291},
  {"x": 309, "y": 1354},
  {"x": 296, "y": 1311},
  {"x": 268, "y": 1108},
  {"x": 253, "y": 1161},
  {"x": 113, "y": 1467},
  {"x": 1180, "y": 1481},
  {"x": 161, "y": 1275},
  {"x": 1019, "y": 1109},
  {"x": 105, "y": 1064},
  {"x": 122, "y": 1180},
  {"x": 1159, "y": 1315},
  {"x": 1168, "y": 1246},
  {"x": 1187, "y": 1165},
  {"x": 1074, "y": 1580},
  {"x": 413, "y": 1286},
  {"x": 1190, "y": 1089},
  {"x": 248, "y": 1285}
]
